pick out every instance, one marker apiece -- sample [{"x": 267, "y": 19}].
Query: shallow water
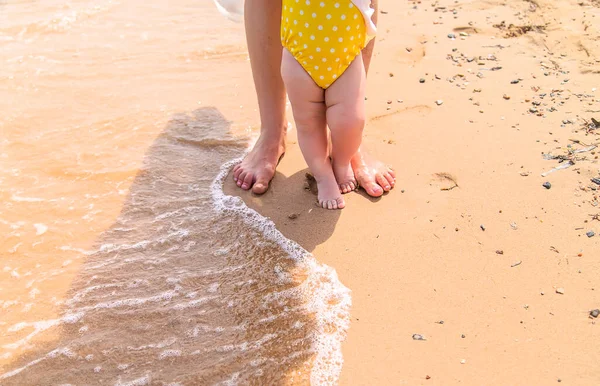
[{"x": 122, "y": 260}]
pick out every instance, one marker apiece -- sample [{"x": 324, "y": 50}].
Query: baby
[{"x": 325, "y": 78}]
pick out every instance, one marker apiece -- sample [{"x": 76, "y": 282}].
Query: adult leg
[
  {"x": 263, "y": 18},
  {"x": 372, "y": 175}
]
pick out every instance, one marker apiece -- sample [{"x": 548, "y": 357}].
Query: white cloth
[{"x": 365, "y": 8}]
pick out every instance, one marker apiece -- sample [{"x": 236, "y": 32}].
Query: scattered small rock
[
  {"x": 427, "y": 377},
  {"x": 590, "y": 234},
  {"x": 560, "y": 290},
  {"x": 500, "y": 252},
  {"x": 547, "y": 185},
  {"x": 463, "y": 361},
  {"x": 482, "y": 227},
  {"x": 463, "y": 336},
  {"x": 514, "y": 81},
  {"x": 422, "y": 80},
  {"x": 506, "y": 97},
  {"x": 452, "y": 36},
  {"x": 594, "y": 313},
  {"x": 293, "y": 216},
  {"x": 418, "y": 337},
  {"x": 439, "y": 102}
]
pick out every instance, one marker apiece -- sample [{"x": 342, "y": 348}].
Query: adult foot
[
  {"x": 344, "y": 177},
  {"x": 372, "y": 175},
  {"x": 329, "y": 193},
  {"x": 258, "y": 167}
]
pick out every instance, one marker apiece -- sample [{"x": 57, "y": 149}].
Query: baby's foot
[
  {"x": 329, "y": 194},
  {"x": 345, "y": 177}
]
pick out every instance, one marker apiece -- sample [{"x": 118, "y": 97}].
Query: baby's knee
[{"x": 348, "y": 119}]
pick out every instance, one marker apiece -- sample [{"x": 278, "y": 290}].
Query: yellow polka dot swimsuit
[{"x": 324, "y": 36}]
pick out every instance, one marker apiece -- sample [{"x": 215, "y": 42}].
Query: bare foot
[
  {"x": 344, "y": 177},
  {"x": 329, "y": 193},
  {"x": 372, "y": 175},
  {"x": 258, "y": 168}
]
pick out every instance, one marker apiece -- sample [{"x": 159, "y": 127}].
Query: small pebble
[
  {"x": 482, "y": 227},
  {"x": 452, "y": 36},
  {"x": 590, "y": 234},
  {"x": 560, "y": 290},
  {"x": 547, "y": 185},
  {"x": 293, "y": 216},
  {"x": 422, "y": 80},
  {"x": 595, "y": 313},
  {"x": 514, "y": 81},
  {"x": 439, "y": 102},
  {"x": 463, "y": 336},
  {"x": 418, "y": 337},
  {"x": 500, "y": 252},
  {"x": 463, "y": 361}
]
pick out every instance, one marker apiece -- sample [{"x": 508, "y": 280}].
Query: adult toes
[
  {"x": 373, "y": 189},
  {"x": 390, "y": 179},
  {"x": 382, "y": 182},
  {"x": 261, "y": 185},
  {"x": 237, "y": 170},
  {"x": 240, "y": 178},
  {"x": 247, "y": 184}
]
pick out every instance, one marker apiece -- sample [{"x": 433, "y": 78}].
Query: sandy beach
[
  {"x": 470, "y": 250},
  {"x": 124, "y": 263}
]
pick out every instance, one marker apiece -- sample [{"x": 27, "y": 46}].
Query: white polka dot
[
  {"x": 355, "y": 17},
  {"x": 322, "y": 4},
  {"x": 306, "y": 25},
  {"x": 300, "y": 34},
  {"x": 345, "y": 49},
  {"x": 324, "y": 60},
  {"x": 321, "y": 77},
  {"x": 337, "y": 5},
  {"x": 304, "y": 62},
  {"x": 357, "y": 26},
  {"x": 335, "y": 28},
  {"x": 348, "y": 28},
  {"x": 305, "y": 46},
  {"x": 359, "y": 36},
  {"x": 287, "y": 20},
  {"x": 326, "y": 39},
  {"x": 350, "y": 5},
  {"x": 312, "y": 37},
  {"x": 307, "y": 2},
  {"x": 295, "y": 43},
  {"x": 337, "y": 59},
  {"x": 328, "y": 16},
  {"x": 295, "y": 21},
  {"x": 328, "y": 84},
  {"x": 318, "y": 49},
  {"x": 301, "y": 12},
  {"x": 320, "y": 28},
  {"x": 332, "y": 50},
  {"x": 351, "y": 37},
  {"x": 334, "y": 76},
  {"x": 316, "y": 67},
  {"x": 343, "y": 17},
  {"x": 284, "y": 7},
  {"x": 340, "y": 40},
  {"x": 310, "y": 57},
  {"x": 314, "y": 15},
  {"x": 328, "y": 68}
]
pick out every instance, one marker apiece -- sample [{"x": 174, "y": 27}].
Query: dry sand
[{"x": 417, "y": 260}]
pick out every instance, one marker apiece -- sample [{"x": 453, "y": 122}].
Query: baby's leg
[
  {"x": 345, "y": 100},
  {"x": 308, "y": 106}
]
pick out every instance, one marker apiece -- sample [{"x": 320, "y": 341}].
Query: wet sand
[{"x": 495, "y": 270}]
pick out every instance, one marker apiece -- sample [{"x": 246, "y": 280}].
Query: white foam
[
  {"x": 169, "y": 353},
  {"x": 327, "y": 297}
]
